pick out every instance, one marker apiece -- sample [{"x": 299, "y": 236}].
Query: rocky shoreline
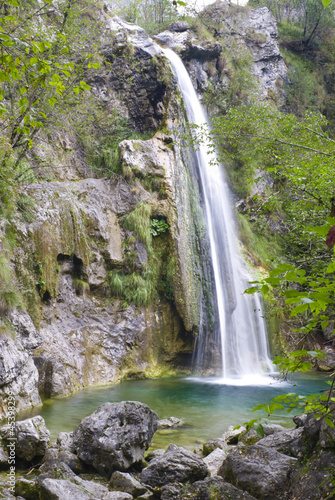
[{"x": 106, "y": 458}]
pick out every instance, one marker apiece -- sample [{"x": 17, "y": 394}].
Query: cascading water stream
[{"x": 245, "y": 352}]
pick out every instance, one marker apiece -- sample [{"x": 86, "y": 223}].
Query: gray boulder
[
  {"x": 252, "y": 437},
  {"x": 216, "y": 487},
  {"x": 148, "y": 495},
  {"x": 154, "y": 454},
  {"x": 214, "y": 444},
  {"x": 122, "y": 481},
  {"x": 25, "y": 329},
  {"x": 18, "y": 376},
  {"x": 3, "y": 458},
  {"x": 118, "y": 495},
  {"x": 312, "y": 428},
  {"x": 55, "y": 456},
  {"x": 177, "y": 465},
  {"x": 314, "y": 482},
  {"x": 172, "y": 492},
  {"x": 59, "y": 489},
  {"x": 74, "y": 487},
  {"x": 327, "y": 434},
  {"x": 214, "y": 460},
  {"x": 261, "y": 471},
  {"x": 115, "y": 436},
  {"x": 179, "y": 26},
  {"x": 63, "y": 451},
  {"x": 284, "y": 442},
  {"x": 27, "y": 489},
  {"x": 32, "y": 437},
  {"x": 232, "y": 436}
]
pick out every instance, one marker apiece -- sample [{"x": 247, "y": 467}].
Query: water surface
[{"x": 206, "y": 406}]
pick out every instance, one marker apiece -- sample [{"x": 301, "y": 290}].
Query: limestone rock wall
[
  {"x": 235, "y": 35},
  {"x": 77, "y": 329},
  {"x": 84, "y": 323}
]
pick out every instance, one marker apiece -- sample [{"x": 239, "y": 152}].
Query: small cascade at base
[{"x": 245, "y": 351}]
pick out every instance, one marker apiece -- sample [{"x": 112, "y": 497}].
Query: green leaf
[
  {"x": 259, "y": 407},
  {"x": 299, "y": 309},
  {"x": 296, "y": 354},
  {"x": 52, "y": 101},
  {"x": 259, "y": 429},
  {"x": 329, "y": 422},
  {"x": 325, "y": 3},
  {"x": 319, "y": 230},
  {"x": 331, "y": 267},
  {"x": 84, "y": 85},
  {"x": 251, "y": 290},
  {"x": 317, "y": 354}
]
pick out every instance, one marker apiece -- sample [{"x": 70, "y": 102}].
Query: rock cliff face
[
  {"x": 106, "y": 295},
  {"x": 237, "y": 36},
  {"x": 87, "y": 237}
]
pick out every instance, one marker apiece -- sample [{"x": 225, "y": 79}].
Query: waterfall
[{"x": 245, "y": 352}]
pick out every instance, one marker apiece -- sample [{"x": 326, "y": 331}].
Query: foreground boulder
[
  {"x": 315, "y": 482},
  {"x": 287, "y": 442},
  {"x": 216, "y": 487},
  {"x": 115, "y": 436},
  {"x": 177, "y": 465},
  {"x": 209, "y": 489},
  {"x": 58, "y": 489},
  {"x": 32, "y": 438},
  {"x": 261, "y": 471},
  {"x": 122, "y": 481}
]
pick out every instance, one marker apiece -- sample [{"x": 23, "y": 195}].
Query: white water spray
[{"x": 245, "y": 352}]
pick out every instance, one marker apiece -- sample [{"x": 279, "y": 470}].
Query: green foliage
[
  {"x": 141, "y": 290},
  {"x": 10, "y": 296},
  {"x": 99, "y": 133},
  {"x": 305, "y": 90},
  {"x": 142, "y": 283},
  {"x": 80, "y": 286},
  {"x": 139, "y": 222},
  {"x": 263, "y": 246},
  {"x": 152, "y": 15},
  {"x": 296, "y": 155},
  {"x": 219, "y": 97},
  {"x": 320, "y": 406},
  {"x": 40, "y": 74},
  {"x": 158, "y": 226},
  {"x": 308, "y": 21}
]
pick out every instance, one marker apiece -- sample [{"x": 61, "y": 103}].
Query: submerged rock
[
  {"x": 115, "y": 436},
  {"x": 170, "y": 422}
]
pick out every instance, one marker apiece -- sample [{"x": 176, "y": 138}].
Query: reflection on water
[{"x": 206, "y": 406}]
